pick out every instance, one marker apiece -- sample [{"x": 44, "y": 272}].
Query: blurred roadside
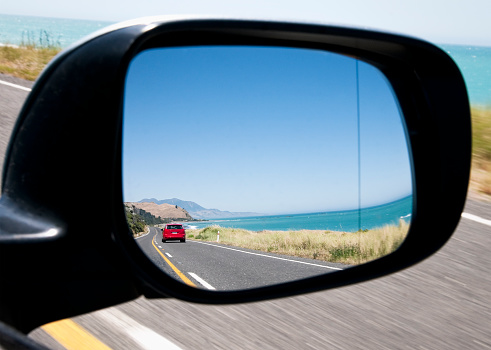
[
  {"x": 480, "y": 184},
  {"x": 11, "y": 101}
]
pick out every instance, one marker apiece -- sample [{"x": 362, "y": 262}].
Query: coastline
[{"x": 343, "y": 220}]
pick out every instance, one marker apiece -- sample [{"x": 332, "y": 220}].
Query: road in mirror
[{"x": 262, "y": 165}]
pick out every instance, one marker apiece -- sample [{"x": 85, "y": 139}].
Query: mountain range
[{"x": 197, "y": 211}]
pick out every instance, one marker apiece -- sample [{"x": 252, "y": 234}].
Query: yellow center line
[
  {"x": 72, "y": 336},
  {"x": 176, "y": 270}
]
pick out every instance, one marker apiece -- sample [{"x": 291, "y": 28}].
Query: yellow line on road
[
  {"x": 176, "y": 270},
  {"x": 72, "y": 336}
]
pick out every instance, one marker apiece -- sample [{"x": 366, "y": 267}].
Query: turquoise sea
[
  {"x": 346, "y": 220},
  {"x": 16, "y": 30},
  {"x": 475, "y": 64}
]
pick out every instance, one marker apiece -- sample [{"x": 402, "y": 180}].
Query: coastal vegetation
[
  {"x": 341, "y": 247},
  {"x": 147, "y": 217},
  {"x": 135, "y": 223},
  {"x": 27, "y": 60},
  {"x": 139, "y": 219}
]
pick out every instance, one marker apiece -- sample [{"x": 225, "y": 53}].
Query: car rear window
[{"x": 174, "y": 227}]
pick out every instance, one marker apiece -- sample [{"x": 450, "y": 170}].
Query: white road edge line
[
  {"x": 269, "y": 256},
  {"x": 143, "y": 336},
  {"x": 170, "y": 256},
  {"x": 476, "y": 219},
  {"x": 15, "y": 86},
  {"x": 202, "y": 281}
]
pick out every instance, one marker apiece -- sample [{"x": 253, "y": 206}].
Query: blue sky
[
  {"x": 439, "y": 21},
  {"x": 266, "y": 130}
]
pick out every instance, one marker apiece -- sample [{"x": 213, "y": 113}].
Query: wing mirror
[{"x": 319, "y": 157}]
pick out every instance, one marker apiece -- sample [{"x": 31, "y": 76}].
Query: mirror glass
[{"x": 249, "y": 166}]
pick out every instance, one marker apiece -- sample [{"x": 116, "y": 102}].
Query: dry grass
[
  {"x": 25, "y": 62},
  {"x": 481, "y": 178},
  {"x": 342, "y": 247},
  {"x": 481, "y": 152}
]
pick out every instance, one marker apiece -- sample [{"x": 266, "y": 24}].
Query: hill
[
  {"x": 188, "y": 205},
  {"x": 197, "y": 211},
  {"x": 165, "y": 211}
]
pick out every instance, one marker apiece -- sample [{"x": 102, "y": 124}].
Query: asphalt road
[
  {"x": 220, "y": 267},
  {"x": 442, "y": 303},
  {"x": 11, "y": 100}
]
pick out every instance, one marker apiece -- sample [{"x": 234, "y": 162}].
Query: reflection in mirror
[{"x": 271, "y": 164}]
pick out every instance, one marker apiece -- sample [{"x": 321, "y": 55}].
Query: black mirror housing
[{"x": 62, "y": 218}]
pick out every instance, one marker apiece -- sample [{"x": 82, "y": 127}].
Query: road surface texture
[
  {"x": 442, "y": 303},
  {"x": 211, "y": 265}
]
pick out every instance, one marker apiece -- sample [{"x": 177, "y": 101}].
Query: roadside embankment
[{"x": 139, "y": 234}]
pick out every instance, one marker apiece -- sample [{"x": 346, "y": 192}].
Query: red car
[{"x": 173, "y": 231}]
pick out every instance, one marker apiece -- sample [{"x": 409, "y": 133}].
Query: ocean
[
  {"x": 44, "y": 31},
  {"x": 475, "y": 64},
  {"x": 346, "y": 220}
]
